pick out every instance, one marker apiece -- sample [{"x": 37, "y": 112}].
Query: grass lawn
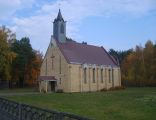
[
  {"x": 17, "y": 90},
  {"x": 129, "y": 104}
]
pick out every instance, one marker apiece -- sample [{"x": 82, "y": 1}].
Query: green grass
[
  {"x": 129, "y": 104},
  {"x": 17, "y": 90}
]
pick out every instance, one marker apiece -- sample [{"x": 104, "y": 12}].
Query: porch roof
[{"x": 47, "y": 78}]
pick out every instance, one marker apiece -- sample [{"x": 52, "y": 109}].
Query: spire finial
[{"x": 59, "y": 16}]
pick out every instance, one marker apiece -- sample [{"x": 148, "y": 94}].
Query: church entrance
[
  {"x": 47, "y": 84},
  {"x": 53, "y": 85}
]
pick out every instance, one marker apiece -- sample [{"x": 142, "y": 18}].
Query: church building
[{"x": 70, "y": 66}]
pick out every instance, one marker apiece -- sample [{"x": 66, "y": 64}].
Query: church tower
[{"x": 59, "y": 28}]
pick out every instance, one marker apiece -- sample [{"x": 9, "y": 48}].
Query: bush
[
  {"x": 59, "y": 91},
  {"x": 103, "y": 90},
  {"x": 117, "y": 88},
  {"x": 43, "y": 91}
]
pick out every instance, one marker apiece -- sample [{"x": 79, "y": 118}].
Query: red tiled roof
[
  {"x": 47, "y": 78},
  {"x": 85, "y": 54}
]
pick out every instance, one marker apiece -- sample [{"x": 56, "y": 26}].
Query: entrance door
[{"x": 52, "y": 86}]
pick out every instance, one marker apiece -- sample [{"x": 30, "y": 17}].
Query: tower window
[
  {"x": 55, "y": 28},
  {"x": 62, "y": 28}
]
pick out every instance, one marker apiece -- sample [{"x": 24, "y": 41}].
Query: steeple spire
[
  {"x": 59, "y": 28},
  {"x": 59, "y": 17}
]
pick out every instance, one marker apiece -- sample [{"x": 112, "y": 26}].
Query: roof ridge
[
  {"x": 85, "y": 44},
  {"x": 110, "y": 56}
]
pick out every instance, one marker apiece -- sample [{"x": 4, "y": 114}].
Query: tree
[
  {"x": 26, "y": 66},
  {"x": 149, "y": 62},
  {"x": 34, "y": 68},
  {"x": 6, "y": 55},
  {"x": 24, "y": 53},
  {"x": 139, "y": 67},
  {"x": 120, "y": 55},
  {"x": 18, "y": 61},
  {"x": 154, "y": 61}
]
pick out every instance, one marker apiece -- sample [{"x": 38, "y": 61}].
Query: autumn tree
[
  {"x": 27, "y": 63},
  {"x": 33, "y": 68},
  {"x": 154, "y": 60},
  {"x": 128, "y": 69},
  {"x": 149, "y": 62},
  {"x": 6, "y": 55},
  {"x": 139, "y": 67}
]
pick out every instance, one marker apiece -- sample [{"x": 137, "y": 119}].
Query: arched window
[
  {"x": 112, "y": 77},
  {"x": 85, "y": 75},
  {"x": 93, "y": 75},
  {"x": 109, "y": 72},
  {"x": 55, "y": 28},
  {"x": 60, "y": 65},
  {"x": 101, "y": 75},
  {"x": 62, "y": 28},
  {"x": 46, "y": 67}
]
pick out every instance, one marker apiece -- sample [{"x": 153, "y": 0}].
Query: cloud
[
  {"x": 39, "y": 25},
  {"x": 37, "y": 28},
  {"x": 9, "y": 7}
]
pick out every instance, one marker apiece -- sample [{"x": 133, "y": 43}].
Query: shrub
[
  {"x": 103, "y": 90},
  {"x": 59, "y": 91},
  {"x": 117, "y": 88}
]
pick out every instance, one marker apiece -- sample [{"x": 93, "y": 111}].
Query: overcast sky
[{"x": 117, "y": 24}]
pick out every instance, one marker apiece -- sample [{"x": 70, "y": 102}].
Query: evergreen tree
[{"x": 25, "y": 54}]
